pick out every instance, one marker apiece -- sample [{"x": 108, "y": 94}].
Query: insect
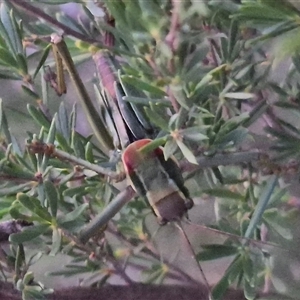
[{"x": 162, "y": 185}]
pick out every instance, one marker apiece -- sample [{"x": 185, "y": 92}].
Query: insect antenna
[
  {"x": 158, "y": 249},
  {"x": 178, "y": 224},
  {"x": 244, "y": 240}
]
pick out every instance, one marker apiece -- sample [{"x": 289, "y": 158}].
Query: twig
[
  {"x": 150, "y": 251},
  {"x": 91, "y": 250},
  {"x": 32, "y": 10},
  {"x": 172, "y": 35},
  {"x": 173, "y": 100},
  {"x": 203, "y": 162},
  {"x": 51, "y": 150},
  {"x": 116, "y": 292},
  {"x": 101, "y": 220},
  {"x": 222, "y": 160},
  {"x": 121, "y": 272},
  {"x": 35, "y": 11},
  {"x": 93, "y": 117}
]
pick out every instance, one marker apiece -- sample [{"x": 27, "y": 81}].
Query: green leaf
[
  {"x": 77, "y": 145},
  {"x": 52, "y": 131},
  {"x": 42, "y": 60},
  {"x": 235, "y": 269},
  {"x": 204, "y": 81},
  {"x": 239, "y": 95},
  {"x": 29, "y": 233},
  {"x": 73, "y": 215},
  {"x": 261, "y": 205},
  {"x": 142, "y": 85},
  {"x": 220, "y": 288},
  {"x": 215, "y": 251},
  {"x": 194, "y": 134},
  {"x": 20, "y": 260},
  {"x": 156, "y": 274},
  {"x": 146, "y": 101},
  {"x": 34, "y": 206},
  {"x": 63, "y": 121},
  {"x": 278, "y": 223},
  {"x": 17, "y": 33},
  {"x": 7, "y": 59},
  {"x": 33, "y": 292},
  {"x": 56, "y": 241},
  {"x": 265, "y": 13},
  {"x": 17, "y": 215},
  {"x": 157, "y": 119},
  {"x": 70, "y": 22},
  {"x": 277, "y": 89},
  {"x": 232, "y": 138},
  {"x": 34, "y": 258},
  {"x": 296, "y": 61},
  {"x": 3, "y": 124},
  {"x": 249, "y": 291},
  {"x": 22, "y": 64},
  {"x": 8, "y": 31},
  {"x": 224, "y": 193},
  {"x": 38, "y": 116},
  {"x": 11, "y": 76},
  {"x": 76, "y": 191},
  {"x": 248, "y": 268},
  {"x": 52, "y": 196},
  {"x": 30, "y": 93},
  {"x": 89, "y": 155},
  {"x": 15, "y": 189},
  {"x": 233, "y": 36},
  {"x": 169, "y": 148},
  {"x": 117, "y": 9},
  {"x": 187, "y": 153}
]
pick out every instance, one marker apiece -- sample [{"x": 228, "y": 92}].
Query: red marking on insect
[{"x": 131, "y": 156}]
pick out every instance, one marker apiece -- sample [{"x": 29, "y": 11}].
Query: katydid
[{"x": 157, "y": 179}]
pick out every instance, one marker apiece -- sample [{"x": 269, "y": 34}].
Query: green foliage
[{"x": 195, "y": 78}]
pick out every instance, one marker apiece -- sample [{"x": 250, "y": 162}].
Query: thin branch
[
  {"x": 91, "y": 113},
  {"x": 171, "y": 37},
  {"x": 150, "y": 251},
  {"x": 203, "y": 162},
  {"x": 222, "y": 160},
  {"x": 89, "y": 249},
  {"x": 116, "y": 292},
  {"x": 82, "y": 162},
  {"x": 35, "y": 11},
  {"x": 51, "y": 150},
  {"x": 136, "y": 291},
  {"x": 101, "y": 220}
]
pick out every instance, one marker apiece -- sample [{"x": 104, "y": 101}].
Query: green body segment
[{"x": 158, "y": 180}]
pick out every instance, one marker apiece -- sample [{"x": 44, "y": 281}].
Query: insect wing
[
  {"x": 175, "y": 252},
  {"x": 131, "y": 91},
  {"x": 129, "y": 117}
]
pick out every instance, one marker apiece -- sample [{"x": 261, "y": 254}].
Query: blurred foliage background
[{"x": 216, "y": 83}]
